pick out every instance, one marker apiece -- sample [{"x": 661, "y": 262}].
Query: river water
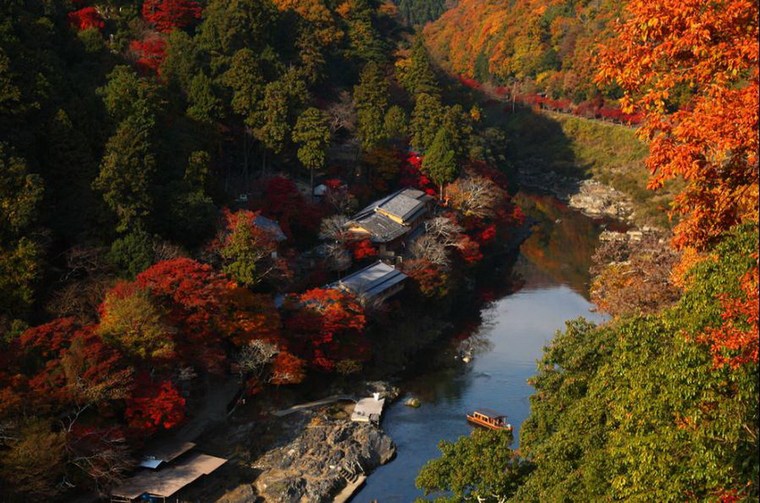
[{"x": 548, "y": 287}]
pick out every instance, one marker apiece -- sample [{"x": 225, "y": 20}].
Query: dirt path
[{"x": 316, "y": 403}]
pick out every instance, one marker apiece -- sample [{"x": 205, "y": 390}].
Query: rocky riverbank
[
  {"x": 591, "y": 197},
  {"x": 317, "y": 451},
  {"x": 315, "y": 466}
]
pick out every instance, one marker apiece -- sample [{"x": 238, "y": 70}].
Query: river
[{"x": 551, "y": 276}]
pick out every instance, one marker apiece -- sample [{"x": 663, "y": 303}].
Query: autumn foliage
[
  {"x": 154, "y": 405},
  {"x": 149, "y": 53},
  {"x": 325, "y": 326},
  {"x": 701, "y": 59},
  {"x": 167, "y": 15},
  {"x": 86, "y": 18},
  {"x": 735, "y": 342},
  {"x": 692, "y": 67}
]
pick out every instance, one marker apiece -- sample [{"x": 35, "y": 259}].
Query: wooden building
[
  {"x": 388, "y": 221},
  {"x": 166, "y": 470},
  {"x": 375, "y": 282}
]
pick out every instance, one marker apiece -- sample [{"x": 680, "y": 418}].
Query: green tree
[
  {"x": 419, "y": 78},
  {"x": 204, "y": 106},
  {"x": 182, "y": 60},
  {"x": 419, "y": 12},
  {"x": 245, "y": 79},
  {"x": 371, "y": 97},
  {"x": 312, "y": 133},
  {"x": 132, "y": 253},
  {"x": 273, "y": 127},
  {"x": 276, "y": 113},
  {"x": 459, "y": 126},
  {"x": 440, "y": 160},
  {"x": 396, "y": 123},
  {"x": 71, "y": 206},
  {"x": 427, "y": 119},
  {"x": 127, "y": 171},
  {"x": 20, "y": 195},
  {"x": 126, "y": 94},
  {"x": 241, "y": 255},
  {"x": 480, "y": 467},
  {"x": 231, "y": 25}
]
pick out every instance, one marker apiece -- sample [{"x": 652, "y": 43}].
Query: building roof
[
  {"x": 386, "y": 219},
  {"x": 381, "y": 228},
  {"x": 405, "y": 204},
  {"x": 169, "y": 480},
  {"x": 270, "y": 226},
  {"x": 368, "y": 409},
  {"x": 164, "y": 452},
  {"x": 371, "y": 281}
]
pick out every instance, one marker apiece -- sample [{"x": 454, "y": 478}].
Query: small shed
[
  {"x": 368, "y": 410},
  {"x": 163, "y": 483}
]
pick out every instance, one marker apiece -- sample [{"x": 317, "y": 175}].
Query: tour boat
[{"x": 489, "y": 419}]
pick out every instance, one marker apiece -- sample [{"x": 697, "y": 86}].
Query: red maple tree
[
  {"x": 325, "y": 326},
  {"x": 154, "y": 405},
  {"x": 149, "y": 53},
  {"x": 166, "y": 15},
  {"x": 86, "y": 18}
]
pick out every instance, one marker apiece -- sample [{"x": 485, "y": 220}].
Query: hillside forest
[{"x": 159, "y": 226}]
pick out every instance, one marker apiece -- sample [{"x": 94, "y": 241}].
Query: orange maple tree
[{"x": 692, "y": 67}]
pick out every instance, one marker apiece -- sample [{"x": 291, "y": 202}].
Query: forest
[
  {"x": 148, "y": 148},
  {"x": 160, "y": 223}
]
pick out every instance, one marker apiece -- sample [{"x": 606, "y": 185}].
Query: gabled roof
[
  {"x": 371, "y": 281},
  {"x": 271, "y": 226},
  {"x": 387, "y": 218},
  {"x": 381, "y": 228},
  {"x": 164, "y": 452},
  {"x": 165, "y": 482},
  {"x": 405, "y": 204}
]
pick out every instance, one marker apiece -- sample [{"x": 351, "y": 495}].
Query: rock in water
[
  {"x": 412, "y": 402},
  {"x": 318, "y": 459}
]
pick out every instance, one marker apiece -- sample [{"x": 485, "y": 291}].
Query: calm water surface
[{"x": 508, "y": 342}]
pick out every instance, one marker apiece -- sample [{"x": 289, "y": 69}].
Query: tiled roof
[
  {"x": 381, "y": 228},
  {"x": 405, "y": 205},
  {"x": 373, "y": 280}
]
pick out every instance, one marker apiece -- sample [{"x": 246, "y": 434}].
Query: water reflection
[
  {"x": 562, "y": 242},
  {"x": 504, "y": 348}
]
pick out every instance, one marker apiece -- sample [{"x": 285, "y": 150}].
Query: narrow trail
[{"x": 316, "y": 403}]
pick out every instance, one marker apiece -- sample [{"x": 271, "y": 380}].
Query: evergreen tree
[
  {"x": 419, "y": 77},
  {"x": 396, "y": 123},
  {"x": 427, "y": 119},
  {"x": 459, "y": 126},
  {"x": 440, "y": 160},
  {"x": 127, "y": 171},
  {"x": 371, "y": 97},
  {"x": 312, "y": 133},
  {"x": 20, "y": 195}
]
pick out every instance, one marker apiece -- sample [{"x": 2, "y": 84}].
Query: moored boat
[{"x": 489, "y": 419}]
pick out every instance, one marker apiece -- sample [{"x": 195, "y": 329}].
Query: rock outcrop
[
  {"x": 591, "y": 197},
  {"x": 313, "y": 466}
]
